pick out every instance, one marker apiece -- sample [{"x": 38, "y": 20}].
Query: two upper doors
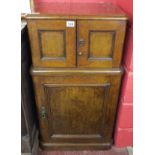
[{"x": 76, "y": 43}]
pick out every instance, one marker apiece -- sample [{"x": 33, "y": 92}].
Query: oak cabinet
[{"x": 77, "y": 74}]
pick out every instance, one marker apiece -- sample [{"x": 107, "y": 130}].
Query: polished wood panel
[
  {"x": 103, "y": 43},
  {"x": 52, "y": 43},
  {"x": 67, "y": 117},
  {"x": 106, "y": 42}
]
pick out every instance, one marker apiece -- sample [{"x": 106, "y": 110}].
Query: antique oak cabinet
[{"x": 76, "y": 71}]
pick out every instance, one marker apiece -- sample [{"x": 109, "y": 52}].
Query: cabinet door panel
[
  {"x": 52, "y": 43},
  {"x": 78, "y": 110},
  {"x": 100, "y": 43}
]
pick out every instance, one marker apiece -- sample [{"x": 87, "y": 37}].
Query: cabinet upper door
[
  {"x": 100, "y": 43},
  {"x": 53, "y": 42}
]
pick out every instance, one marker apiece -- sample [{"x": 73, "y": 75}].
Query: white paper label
[{"x": 70, "y": 24}]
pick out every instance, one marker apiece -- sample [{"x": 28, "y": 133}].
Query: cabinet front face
[
  {"x": 100, "y": 43},
  {"x": 53, "y": 44},
  {"x": 89, "y": 43},
  {"x": 77, "y": 110}
]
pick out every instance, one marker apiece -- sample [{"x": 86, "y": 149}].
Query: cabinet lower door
[{"x": 76, "y": 111}]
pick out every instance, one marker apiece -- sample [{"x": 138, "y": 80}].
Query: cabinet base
[{"x": 75, "y": 146}]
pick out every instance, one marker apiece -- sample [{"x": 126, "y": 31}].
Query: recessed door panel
[
  {"x": 100, "y": 43},
  {"x": 52, "y": 44},
  {"x": 106, "y": 42},
  {"x": 76, "y": 110}
]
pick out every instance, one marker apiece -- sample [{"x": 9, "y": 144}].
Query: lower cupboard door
[{"x": 81, "y": 112}]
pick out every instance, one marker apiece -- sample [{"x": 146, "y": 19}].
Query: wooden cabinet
[{"x": 76, "y": 74}]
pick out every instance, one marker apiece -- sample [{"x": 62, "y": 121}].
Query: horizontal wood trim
[
  {"x": 75, "y": 85},
  {"x": 39, "y": 71},
  {"x": 41, "y": 16},
  {"x": 75, "y": 146},
  {"x": 76, "y": 136}
]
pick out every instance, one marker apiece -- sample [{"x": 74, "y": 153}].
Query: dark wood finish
[
  {"x": 76, "y": 73},
  {"x": 29, "y": 131},
  {"x": 79, "y": 109}
]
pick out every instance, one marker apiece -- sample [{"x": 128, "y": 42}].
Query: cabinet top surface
[{"x": 96, "y": 10}]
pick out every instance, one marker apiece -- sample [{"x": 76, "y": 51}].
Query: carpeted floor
[{"x": 113, "y": 151}]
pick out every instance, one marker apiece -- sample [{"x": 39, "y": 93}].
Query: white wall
[{"x": 25, "y": 6}]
